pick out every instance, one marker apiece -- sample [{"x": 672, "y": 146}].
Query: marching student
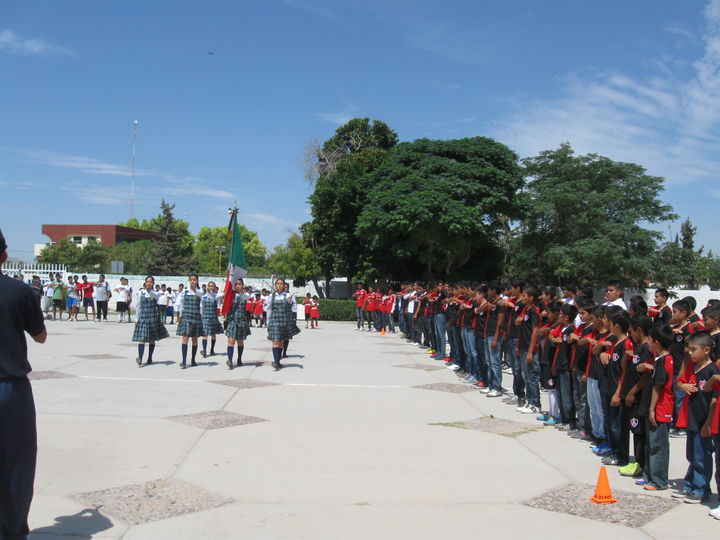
[
  {"x": 259, "y": 313},
  {"x": 238, "y": 328},
  {"x": 190, "y": 325},
  {"x": 280, "y": 323},
  {"x": 249, "y": 306},
  {"x": 210, "y": 322},
  {"x": 148, "y": 328}
]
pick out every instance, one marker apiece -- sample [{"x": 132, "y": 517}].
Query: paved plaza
[{"x": 361, "y": 436}]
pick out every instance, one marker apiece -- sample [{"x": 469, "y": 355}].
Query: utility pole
[{"x": 132, "y": 178}]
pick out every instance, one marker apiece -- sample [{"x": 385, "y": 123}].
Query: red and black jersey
[
  {"x": 614, "y": 370},
  {"x": 641, "y": 355},
  {"x": 677, "y": 349},
  {"x": 491, "y": 320},
  {"x": 548, "y": 346},
  {"x": 360, "y": 297},
  {"x": 563, "y": 351},
  {"x": 512, "y": 330},
  {"x": 530, "y": 319},
  {"x": 596, "y": 369},
  {"x": 663, "y": 315},
  {"x": 696, "y": 406},
  {"x": 662, "y": 375}
]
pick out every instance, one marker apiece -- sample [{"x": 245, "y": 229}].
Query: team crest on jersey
[
  {"x": 679, "y": 338},
  {"x": 634, "y": 422},
  {"x": 636, "y": 359},
  {"x": 526, "y": 318},
  {"x": 565, "y": 338},
  {"x": 701, "y": 385},
  {"x": 615, "y": 357},
  {"x": 551, "y": 382}
]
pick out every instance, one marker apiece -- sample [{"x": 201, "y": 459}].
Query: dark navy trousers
[{"x": 18, "y": 453}]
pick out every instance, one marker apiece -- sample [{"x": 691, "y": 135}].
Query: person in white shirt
[
  {"x": 124, "y": 293},
  {"x": 177, "y": 303},
  {"x": 163, "y": 301},
  {"x": 103, "y": 294},
  {"x": 614, "y": 294},
  {"x": 210, "y": 322},
  {"x": 190, "y": 326}
]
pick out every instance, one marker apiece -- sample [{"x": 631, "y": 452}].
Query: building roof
[{"x": 109, "y": 234}]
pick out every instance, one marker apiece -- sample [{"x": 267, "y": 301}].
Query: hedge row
[{"x": 337, "y": 310}]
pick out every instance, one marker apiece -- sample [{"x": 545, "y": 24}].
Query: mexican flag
[{"x": 236, "y": 264}]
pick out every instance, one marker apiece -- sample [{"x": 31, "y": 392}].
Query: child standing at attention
[
  {"x": 711, "y": 319},
  {"x": 190, "y": 325},
  {"x": 528, "y": 322},
  {"x": 314, "y": 312},
  {"x": 660, "y": 410},
  {"x": 210, "y": 322},
  {"x": 695, "y": 416},
  {"x": 307, "y": 304}
]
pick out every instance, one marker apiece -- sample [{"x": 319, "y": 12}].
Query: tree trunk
[{"x": 319, "y": 290}]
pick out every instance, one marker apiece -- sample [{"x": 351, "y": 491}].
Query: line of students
[
  {"x": 199, "y": 319},
  {"x": 609, "y": 371}
]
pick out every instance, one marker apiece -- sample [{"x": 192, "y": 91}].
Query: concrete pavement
[{"x": 337, "y": 446}]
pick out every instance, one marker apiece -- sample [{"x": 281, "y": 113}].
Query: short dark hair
[
  {"x": 622, "y": 319},
  {"x": 690, "y": 300},
  {"x": 532, "y": 291},
  {"x": 569, "y": 311},
  {"x": 638, "y": 305},
  {"x": 554, "y": 306},
  {"x": 3, "y": 243},
  {"x": 682, "y": 305},
  {"x": 641, "y": 322},
  {"x": 663, "y": 292},
  {"x": 616, "y": 284},
  {"x": 570, "y": 287},
  {"x": 712, "y": 312},
  {"x": 703, "y": 339},
  {"x": 663, "y": 334}
]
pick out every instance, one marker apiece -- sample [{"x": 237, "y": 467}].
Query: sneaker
[
  {"x": 694, "y": 498},
  {"x": 521, "y": 406},
  {"x": 544, "y": 417},
  {"x": 453, "y": 367},
  {"x": 631, "y": 469},
  {"x": 715, "y": 512},
  {"x": 563, "y": 427},
  {"x": 494, "y": 393},
  {"x": 677, "y": 432},
  {"x": 430, "y": 351},
  {"x": 613, "y": 460},
  {"x": 447, "y": 359},
  {"x": 530, "y": 409},
  {"x": 641, "y": 482},
  {"x": 550, "y": 422},
  {"x": 470, "y": 379},
  {"x": 652, "y": 487},
  {"x": 600, "y": 447},
  {"x": 680, "y": 494},
  {"x": 484, "y": 389},
  {"x": 584, "y": 437},
  {"x": 510, "y": 399},
  {"x": 481, "y": 384}
]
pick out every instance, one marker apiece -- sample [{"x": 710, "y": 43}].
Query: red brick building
[{"x": 107, "y": 235}]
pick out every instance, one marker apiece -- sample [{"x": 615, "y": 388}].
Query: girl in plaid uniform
[
  {"x": 211, "y": 324},
  {"x": 238, "y": 327},
  {"x": 148, "y": 328},
  {"x": 280, "y": 321},
  {"x": 190, "y": 319}
]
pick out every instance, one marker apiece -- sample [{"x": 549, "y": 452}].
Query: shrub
[{"x": 337, "y": 310}]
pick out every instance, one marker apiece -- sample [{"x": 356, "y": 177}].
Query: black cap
[{"x": 3, "y": 243}]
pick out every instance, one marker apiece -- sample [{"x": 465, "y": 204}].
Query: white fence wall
[{"x": 27, "y": 271}]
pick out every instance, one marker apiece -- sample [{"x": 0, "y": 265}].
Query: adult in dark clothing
[{"x": 19, "y": 313}]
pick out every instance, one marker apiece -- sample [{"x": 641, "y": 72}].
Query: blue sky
[{"x": 636, "y": 81}]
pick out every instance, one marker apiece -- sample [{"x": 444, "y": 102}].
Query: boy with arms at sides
[
  {"x": 635, "y": 383},
  {"x": 695, "y": 416},
  {"x": 528, "y": 322},
  {"x": 549, "y": 333},
  {"x": 660, "y": 409},
  {"x": 661, "y": 312}
]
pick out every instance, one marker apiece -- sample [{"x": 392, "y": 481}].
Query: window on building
[{"x": 77, "y": 240}]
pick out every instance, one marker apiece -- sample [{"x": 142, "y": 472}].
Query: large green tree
[
  {"x": 357, "y": 148},
  {"x": 173, "y": 252},
  {"x": 434, "y": 207},
  {"x": 584, "y": 219},
  {"x": 297, "y": 261},
  {"x": 212, "y": 245}
]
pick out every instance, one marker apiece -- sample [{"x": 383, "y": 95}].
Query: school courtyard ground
[{"x": 360, "y": 436}]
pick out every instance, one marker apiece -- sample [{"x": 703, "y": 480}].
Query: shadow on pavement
[
  {"x": 84, "y": 524},
  {"x": 292, "y": 365}
]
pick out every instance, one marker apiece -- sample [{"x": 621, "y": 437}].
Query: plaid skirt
[
  {"x": 190, "y": 321},
  {"x": 237, "y": 327},
  {"x": 211, "y": 324},
  {"x": 148, "y": 327},
  {"x": 281, "y": 323}
]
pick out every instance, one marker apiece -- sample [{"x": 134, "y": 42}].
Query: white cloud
[
  {"x": 341, "y": 117},
  {"x": 84, "y": 164},
  {"x": 14, "y": 44},
  {"x": 667, "y": 124}
]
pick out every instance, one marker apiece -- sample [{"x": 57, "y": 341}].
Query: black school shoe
[
  {"x": 229, "y": 364},
  {"x": 183, "y": 365},
  {"x": 193, "y": 363},
  {"x": 138, "y": 361},
  {"x": 276, "y": 365}
]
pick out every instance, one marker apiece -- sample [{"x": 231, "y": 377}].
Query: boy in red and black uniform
[
  {"x": 660, "y": 409},
  {"x": 661, "y": 312},
  {"x": 579, "y": 361},
  {"x": 369, "y": 308},
  {"x": 695, "y": 415},
  {"x": 514, "y": 307},
  {"x": 452, "y": 314},
  {"x": 493, "y": 333},
  {"x": 527, "y": 323},
  {"x": 562, "y": 367},
  {"x": 635, "y": 385},
  {"x": 549, "y": 334},
  {"x": 683, "y": 329},
  {"x": 617, "y": 418}
]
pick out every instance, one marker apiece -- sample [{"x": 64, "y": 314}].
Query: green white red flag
[{"x": 237, "y": 267}]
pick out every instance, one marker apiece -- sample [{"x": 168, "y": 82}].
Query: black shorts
[
  {"x": 58, "y": 303},
  {"x": 88, "y": 302},
  {"x": 121, "y": 307}
]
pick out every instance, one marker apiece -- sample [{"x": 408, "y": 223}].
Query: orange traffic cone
[
  {"x": 602, "y": 489},
  {"x": 382, "y": 332}
]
